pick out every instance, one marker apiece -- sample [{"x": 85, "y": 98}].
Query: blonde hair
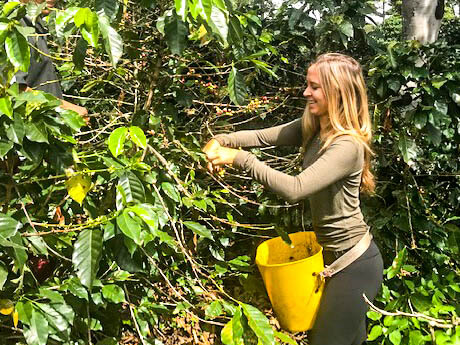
[{"x": 342, "y": 82}]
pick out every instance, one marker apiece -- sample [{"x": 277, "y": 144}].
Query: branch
[{"x": 440, "y": 323}]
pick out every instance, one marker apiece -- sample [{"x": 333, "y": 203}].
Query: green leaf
[
  {"x": 262, "y": 65},
  {"x": 36, "y": 131},
  {"x": 63, "y": 19},
  {"x": 416, "y": 338},
  {"x": 6, "y": 106},
  {"x": 176, "y": 34},
  {"x": 81, "y": 16},
  {"x": 37, "y": 333},
  {"x": 346, "y": 28},
  {"x": 5, "y": 147},
  {"x": 18, "y": 51},
  {"x": 86, "y": 255},
  {"x": 236, "y": 87},
  {"x": 232, "y": 333},
  {"x": 108, "y": 8},
  {"x": 59, "y": 315},
  {"x": 147, "y": 213},
  {"x": 235, "y": 33},
  {"x": 395, "y": 337},
  {"x": 113, "y": 293},
  {"x": 375, "y": 332},
  {"x": 170, "y": 191},
  {"x": 79, "y": 54},
  {"x": 285, "y": 338},
  {"x": 259, "y": 324},
  {"x": 8, "y": 226},
  {"x": 213, "y": 310},
  {"x": 113, "y": 42},
  {"x": 72, "y": 119},
  {"x": 132, "y": 187},
  {"x": 117, "y": 140},
  {"x": 407, "y": 148},
  {"x": 89, "y": 26},
  {"x": 199, "y": 229},
  {"x": 130, "y": 227},
  {"x": 218, "y": 23},
  {"x": 138, "y": 137},
  {"x": 181, "y": 8},
  {"x": 3, "y": 275},
  {"x": 16, "y": 131}
]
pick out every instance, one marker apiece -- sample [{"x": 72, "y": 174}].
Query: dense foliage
[{"x": 113, "y": 231}]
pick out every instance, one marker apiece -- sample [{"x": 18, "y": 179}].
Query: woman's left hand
[{"x": 222, "y": 155}]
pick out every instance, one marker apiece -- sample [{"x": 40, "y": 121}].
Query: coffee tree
[{"x": 112, "y": 231}]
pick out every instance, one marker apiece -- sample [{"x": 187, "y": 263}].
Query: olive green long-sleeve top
[{"x": 330, "y": 179}]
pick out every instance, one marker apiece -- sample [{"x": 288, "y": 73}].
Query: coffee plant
[{"x": 111, "y": 229}]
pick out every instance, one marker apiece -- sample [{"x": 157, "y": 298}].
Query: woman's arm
[
  {"x": 342, "y": 158},
  {"x": 288, "y": 134}
]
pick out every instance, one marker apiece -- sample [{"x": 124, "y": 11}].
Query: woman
[{"x": 335, "y": 132}]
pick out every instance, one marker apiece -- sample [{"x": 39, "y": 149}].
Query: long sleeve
[
  {"x": 288, "y": 134},
  {"x": 343, "y": 157}
]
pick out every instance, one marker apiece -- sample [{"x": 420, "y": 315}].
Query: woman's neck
[{"x": 323, "y": 126}]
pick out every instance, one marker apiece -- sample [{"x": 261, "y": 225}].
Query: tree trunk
[{"x": 422, "y": 19}]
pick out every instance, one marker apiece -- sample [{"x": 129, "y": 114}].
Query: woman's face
[{"x": 316, "y": 100}]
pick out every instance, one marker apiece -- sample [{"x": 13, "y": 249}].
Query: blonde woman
[{"x": 335, "y": 132}]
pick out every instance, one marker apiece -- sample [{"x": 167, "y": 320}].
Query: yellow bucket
[{"x": 291, "y": 277}]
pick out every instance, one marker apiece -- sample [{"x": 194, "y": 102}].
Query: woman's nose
[{"x": 306, "y": 92}]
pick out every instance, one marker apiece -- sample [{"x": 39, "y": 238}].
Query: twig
[
  {"x": 133, "y": 316},
  {"x": 441, "y": 323}
]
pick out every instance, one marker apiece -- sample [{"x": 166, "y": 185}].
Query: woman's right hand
[{"x": 210, "y": 148}]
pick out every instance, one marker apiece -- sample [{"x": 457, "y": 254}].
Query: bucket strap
[{"x": 347, "y": 258}]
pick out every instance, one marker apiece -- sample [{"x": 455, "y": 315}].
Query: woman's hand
[
  {"x": 218, "y": 155},
  {"x": 222, "y": 155},
  {"x": 210, "y": 147}
]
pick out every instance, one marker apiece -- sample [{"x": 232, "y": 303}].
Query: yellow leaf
[
  {"x": 6, "y": 306},
  {"x": 78, "y": 186},
  {"x": 15, "y": 318}
]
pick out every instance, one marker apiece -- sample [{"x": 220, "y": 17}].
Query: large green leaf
[
  {"x": 132, "y": 188},
  {"x": 130, "y": 227},
  {"x": 170, "y": 191},
  {"x": 407, "y": 148},
  {"x": 38, "y": 330},
  {"x": 232, "y": 333},
  {"x": 219, "y": 23},
  {"x": 5, "y": 147},
  {"x": 86, "y": 255},
  {"x": 108, "y": 8},
  {"x": 16, "y": 131},
  {"x": 18, "y": 51},
  {"x": 138, "y": 137},
  {"x": 236, "y": 87},
  {"x": 117, "y": 140},
  {"x": 6, "y": 106},
  {"x": 199, "y": 229},
  {"x": 176, "y": 34},
  {"x": 36, "y": 131},
  {"x": 79, "y": 54},
  {"x": 59, "y": 315},
  {"x": 8, "y": 226},
  {"x": 112, "y": 40},
  {"x": 259, "y": 324},
  {"x": 113, "y": 293}
]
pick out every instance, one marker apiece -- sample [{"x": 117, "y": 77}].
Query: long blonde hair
[{"x": 343, "y": 85}]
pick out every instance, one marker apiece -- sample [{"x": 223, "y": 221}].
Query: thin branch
[{"x": 440, "y": 323}]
